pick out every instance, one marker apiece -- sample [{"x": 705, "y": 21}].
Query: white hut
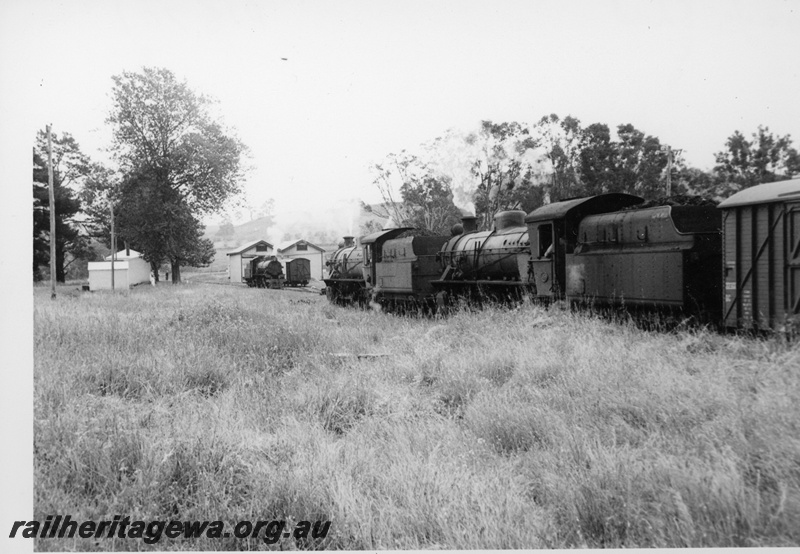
[
  {"x": 238, "y": 257},
  {"x": 129, "y": 269},
  {"x": 303, "y": 249}
]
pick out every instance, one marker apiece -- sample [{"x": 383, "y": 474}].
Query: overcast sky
[{"x": 320, "y": 90}]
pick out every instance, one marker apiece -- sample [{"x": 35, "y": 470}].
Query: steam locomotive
[
  {"x": 737, "y": 264},
  {"x": 346, "y": 283},
  {"x": 264, "y": 272}
]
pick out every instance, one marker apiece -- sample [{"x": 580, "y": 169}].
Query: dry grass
[{"x": 493, "y": 429}]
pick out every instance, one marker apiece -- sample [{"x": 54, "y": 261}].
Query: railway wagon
[
  {"x": 664, "y": 257},
  {"x": 761, "y": 257},
  {"x": 298, "y": 272}
]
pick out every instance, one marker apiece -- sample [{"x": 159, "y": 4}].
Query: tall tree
[
  {"x": 70, "y": 166},
  {"x": 99, "y": 191},
  {"x": 597, "y": 159},
  {"x": 425, "y": 196},
  {"x": 163, "y": 130},
  {"x": 504, "y": 169},
  {"x": 640, "y": 163},
  {"x": 561, "y": 141},
  {"x": 693, "y": 181},
  {"x": 511, "y": 165},
  {"x": 153, "y": 221},
  {"x": 390, "y": 175},
  {"x": 764, "y": 159},
  {"x": 633, "y": 164},
  {"x": 431, "y": 205}
]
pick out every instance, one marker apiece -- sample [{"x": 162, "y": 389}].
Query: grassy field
[{"x": 501, "y": 428}]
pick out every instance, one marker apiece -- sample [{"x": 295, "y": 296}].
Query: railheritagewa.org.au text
[{"x": 270, "y": 531}]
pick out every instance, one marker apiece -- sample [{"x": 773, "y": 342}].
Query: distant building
[
  {"x": 129, "y": 269},
  {"x": 239, "y": 257},
  {"x": 303, "y": 249}
]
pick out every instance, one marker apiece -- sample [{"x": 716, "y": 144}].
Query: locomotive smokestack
[
  {"x": 349, "y": 241},
  {"x": 469, "y": 223}
]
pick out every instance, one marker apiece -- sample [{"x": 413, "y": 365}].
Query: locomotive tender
[{"x": 737, "y": 264}]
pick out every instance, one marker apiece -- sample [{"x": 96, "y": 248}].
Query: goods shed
[
  {"x": 129, "y": 269},
  {"x": 761, "y": 256},
  {"x": 242, "y": 255},
  {"x": 303, "y": 249}
]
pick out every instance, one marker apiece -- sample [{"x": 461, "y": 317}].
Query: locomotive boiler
[
  {"x": 345, "y": 282},
  {"x": 491, "y": 262}
]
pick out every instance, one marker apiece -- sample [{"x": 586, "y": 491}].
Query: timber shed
[
  {"x": 242, "y": 255},
  {"x": 303, "y": 249},
  {"x": 129, "y": 269}
]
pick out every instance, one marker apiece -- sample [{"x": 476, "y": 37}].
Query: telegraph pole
[
  {"x": 669, "y": 170},
  {"x": 113, "y": 245},
  {"x": 52, "y": 215}
]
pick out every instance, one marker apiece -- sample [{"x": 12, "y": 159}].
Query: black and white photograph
[{"x": 414, "y": 275}]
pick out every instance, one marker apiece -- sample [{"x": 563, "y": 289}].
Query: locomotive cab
[
  {"x": 543, "y": 259},
  {"x": 373, "y": 269},
  {"x": 553, "y": 229}
]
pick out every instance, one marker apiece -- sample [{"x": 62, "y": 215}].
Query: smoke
[
  {"x": 459, "y": 155},
  {"x": 453, "y": 155},
  {"x": 321, "y": 226}
]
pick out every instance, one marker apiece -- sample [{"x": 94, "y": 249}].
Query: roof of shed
[
  {"x": 780, "y": 191},
  {"x": 125, "y": 255},
  {"x": 247, "y": 246},
  {"x": 288, "y": 244}
]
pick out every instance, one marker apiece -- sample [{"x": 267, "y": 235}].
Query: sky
[{"x": 320, "y": 90}]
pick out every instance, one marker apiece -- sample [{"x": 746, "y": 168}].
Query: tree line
[
  {"x": 172, "y": 164},
  {"x": 513, "y": 165}
]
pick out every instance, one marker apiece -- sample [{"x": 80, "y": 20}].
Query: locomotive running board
[{"x": 441, "y": 283}]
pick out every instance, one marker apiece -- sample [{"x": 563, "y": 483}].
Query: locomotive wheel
[{"x": 332, "y": 294}]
